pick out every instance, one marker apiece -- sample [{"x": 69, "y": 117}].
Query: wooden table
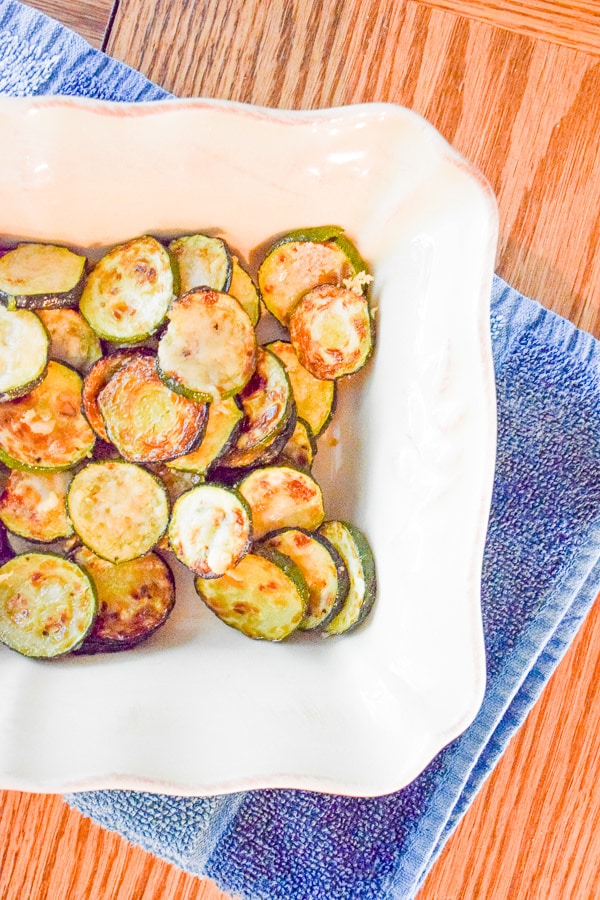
[{"x": 515, "y": 86}]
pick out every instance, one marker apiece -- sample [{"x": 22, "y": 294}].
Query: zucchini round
[
  {"x": 331, "y": 331},
  {"x": 208, "y": 351},
  {"x": 118, "y": 510},
  {"x": 127, "y": 294},
  {"x": 33, "y": 505},
  {"x": 72, "y": 341},
  {"x": 356, "y": 552},
  {"x": 144, "y": 419},
  {"x": 45, "y": 429},
  {"x": 264, "y": 596},
  {"x": 47, "y": 605},
  {"x": 210, "y": 529},
  {"x": 41, "y": 276},
  {"x": 322, "y": 567},
  {"x": 282, "y": 497},
  {"x": 244, "y": 290},
  {"x": 300, "y": 449},
  {"x": 21, "y": 371},
  {"x": 315, "y": 397},
  {"x": 96, "y": 379},
  {"x": 202, "y": 261},
  {"x": 135, "y": 599},
  {"x": 224, "y": 417}
]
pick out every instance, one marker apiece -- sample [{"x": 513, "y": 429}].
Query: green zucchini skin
[
  {"x": 41, "y": 276},
  {"x": 264, "y": 596},
  {"x": 135, "y": 599},
  {"x": 47, "y": 605},
  {"x": 20, "y": 372},
  {"x": 355, "y": 550},
  {"x": 323, "y": 568},
  {"x": 118, "y": 509},
  {"x": 45, "y": 430}
]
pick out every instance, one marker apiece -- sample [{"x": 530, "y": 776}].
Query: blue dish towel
[{"x": 541, "y": 574}]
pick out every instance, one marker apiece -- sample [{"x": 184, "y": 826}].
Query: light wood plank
[
  {"x": 573, "y": 23},
  {"x": 89, "y": 18}
]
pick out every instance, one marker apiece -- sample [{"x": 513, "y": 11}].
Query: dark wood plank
[{"x": 89, "y": 18}]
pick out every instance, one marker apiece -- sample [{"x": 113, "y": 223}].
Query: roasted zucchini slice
[
  {"x": 128, "y": 292},
  {"x": 41, "y": 276},
  {"x": 315, "y": 397},
  {"x": 331, "y": 331},
  {"x": 282, "y": 497},
  {"x": 118, "y": 510},
  {"x": 145, "y": 420},
  {"x": 267, "y": 403},
  {"x": 24, "y": 344},
  {"x": 208, "y": 351},
  {"x": 202, "y": 261},
  {"x": 135, "y": 599},
  {"x": 356, "y": 552},
  {"x": 224, "y": 417},
  {"x": 301, "y": 260},
  {"x": 33, "y": 505},
  {"x": 47, "y": 605},
  {"x": 322, "y": 567},
  {"x": 244, "y": 290},
  {"x": 264, "y": 596},
  {"x": 72, "y": 341},
  {"x": 175, "y": 481},
  {"x": 97, "y": 378},
  {"x": 210, "y": 529},
  {"x": 45, "y": 429},
  {"x": 299, "y": 451}
]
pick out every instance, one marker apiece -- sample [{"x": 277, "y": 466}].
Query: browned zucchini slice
[
  {"x": 356, "y": 552},
  {"x": 72, "y": 341},
  {"x": 315, "y": 397},
  {"x": 322, "y": 567},
  {"x": 267, "y": 403},
  {"x": 145, "y": 420},
  {"x": 208, "y": 351},
  {"x": 224, "y": 417},
  {"x": 299, "y": 451},
  {"x": 175, "y": 481},
  {"x": 210, "y": 529},
  {"x": 127, "y": 294},
  {"x": 24, "y": 346},
  {"x": 244, "y": 290},
  {"x": 97, "y": 379},
  {"x": 264, "y": 596},
  {"x": 45, "y": 429},
  {"x": 282, "y": 497},
  {"x": 202, "y": 261},
  {"x": 47, "y": 605},
  {"x": 41, "y": 276},
  {"x": 118, "y": 509},
  {"x": 331, "y": 331},
  {"x": 33, "y": 505},
  {"x": 135, "y": 599}
]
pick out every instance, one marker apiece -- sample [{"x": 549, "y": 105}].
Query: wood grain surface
[
  {"x": 89, "y": 18},
  {"x": 515, "y": 86}
]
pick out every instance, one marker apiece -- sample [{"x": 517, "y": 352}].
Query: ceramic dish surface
[{"x": 409, "y": 457}]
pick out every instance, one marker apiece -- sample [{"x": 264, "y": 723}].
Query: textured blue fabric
[{"x": 541, "y": 574}]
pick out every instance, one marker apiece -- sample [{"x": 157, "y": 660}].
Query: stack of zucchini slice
[{"x": 140, "y": 412}]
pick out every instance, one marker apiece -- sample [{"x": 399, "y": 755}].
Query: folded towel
[{"x": 541, "y": 574}]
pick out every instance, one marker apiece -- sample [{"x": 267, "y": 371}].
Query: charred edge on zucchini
[
  {"x": 208, "y": 351},
  {"x": 222, "y": 427},
  {"x": 41, "y": 276},
  {"x": 210, "y": 529},
  {"x": 20, "y": 372},
  {"x": 356, "y": 552},
  {"x": 331, "y": 331},
  {"x": 118, "y": 510},
  {"x": 280, "y": 497},
  {"x": 315, "y": 397},
  {"x": 135, "y": 599},
  {"x": 45, "y": 429},
  {"x": 202, "y": 261},
  {"x": 299, "y": 451},
  {"x": 144, "y": 419},
  {"x": 97, "y": 379},
  {"x": 33, "y": 505},
  {"x": 264, "y": 596},
  {"x": 323, "y": 569},
  {"x": 72, "y": 341},
  {"x": 47, "y": 605}
]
